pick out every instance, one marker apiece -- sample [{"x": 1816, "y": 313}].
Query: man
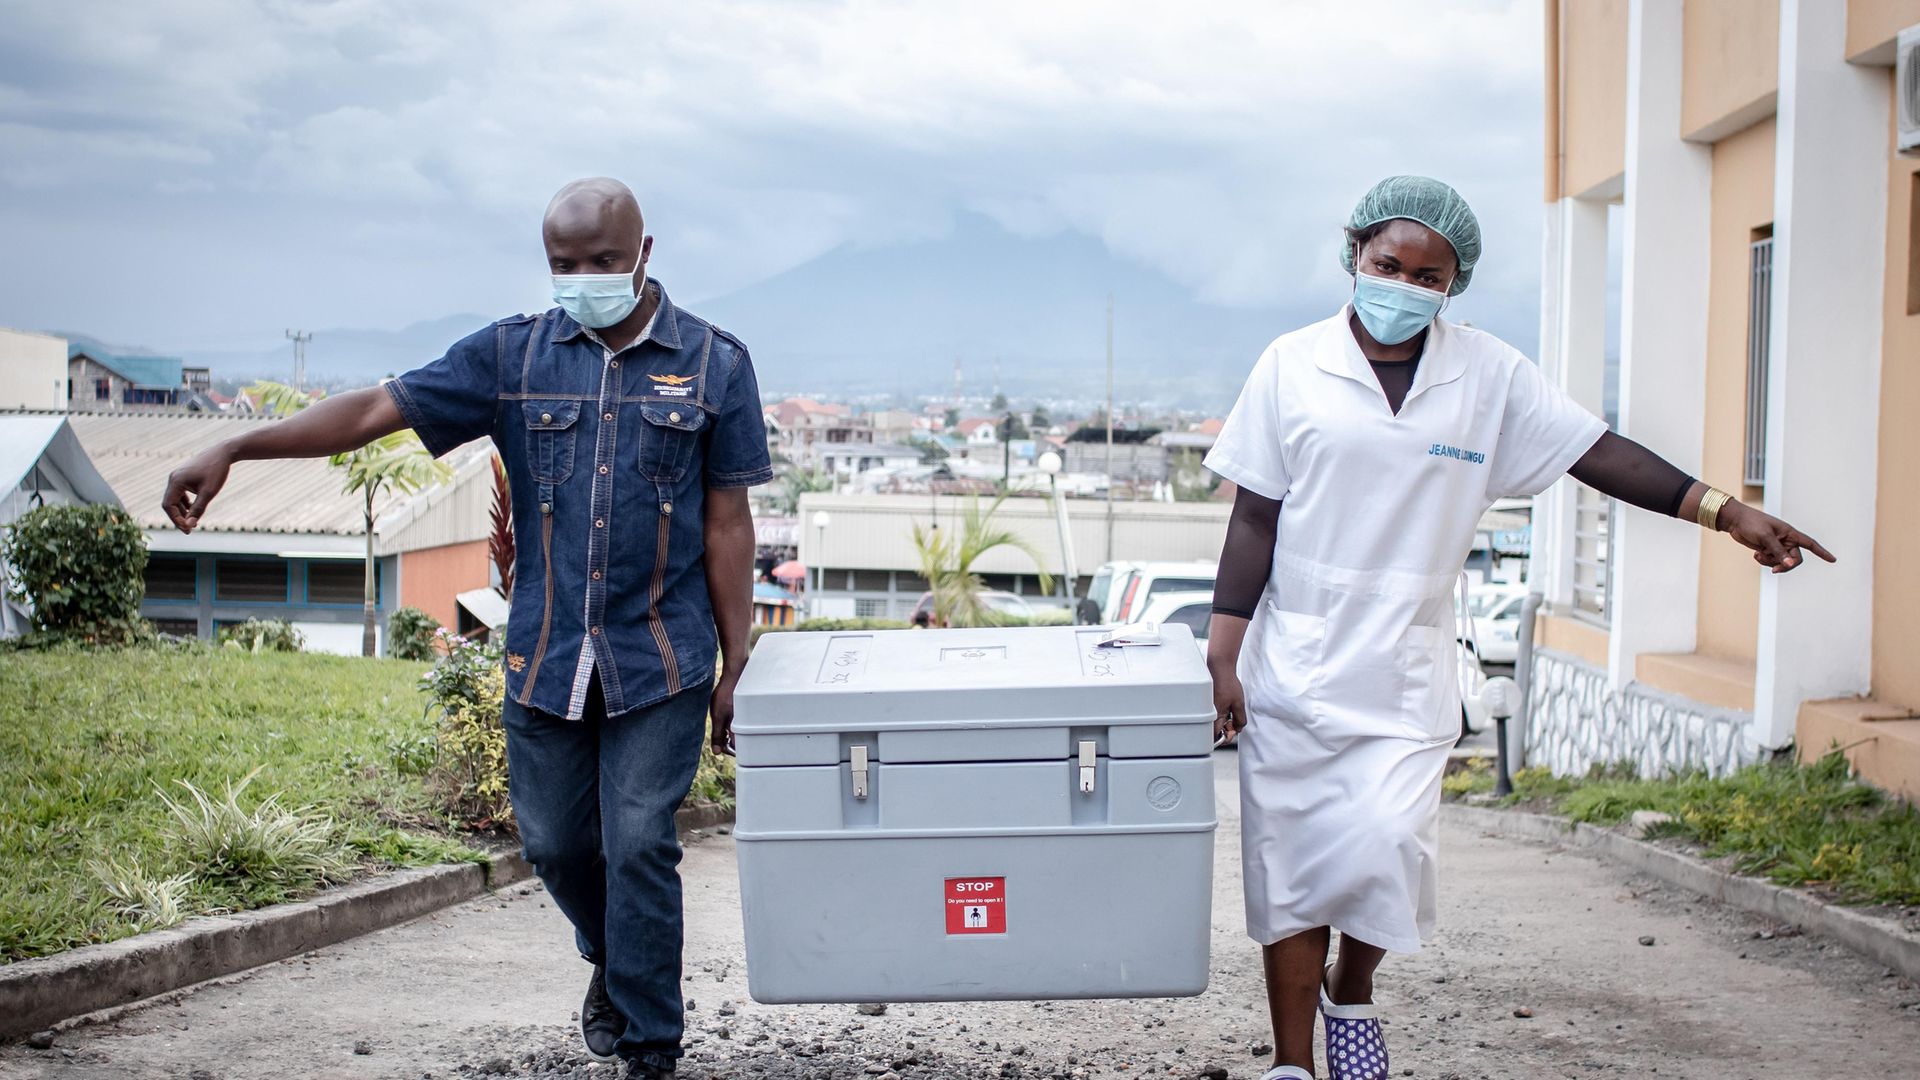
[{"x": 631, "y": 431}]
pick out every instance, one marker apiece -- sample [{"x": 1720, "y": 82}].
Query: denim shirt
[{"x": 609, "y": 457}]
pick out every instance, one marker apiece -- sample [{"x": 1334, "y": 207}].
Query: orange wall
[
  {"x": 1729, "y": 602},
  {"x": 1896, "y": 574},
  {"x": 1594, "y": 73},
  {"x": 431, "y": 577},
  {"x": 1873, "y": 23},
  {"x": 1732, "y": 59}
]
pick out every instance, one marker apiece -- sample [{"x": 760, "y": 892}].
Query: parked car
[
  {"x": 1496, "y": 622},
  {"x": 1005, "y": 603},
  {"x": 1120, "y": 590},
  {"x": 1192, "y": 609}
]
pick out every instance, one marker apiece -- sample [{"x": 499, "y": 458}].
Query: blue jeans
[{"x": 595, "y": 799}]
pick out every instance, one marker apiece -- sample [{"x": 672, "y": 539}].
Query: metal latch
[
  {"x": 1089, "y": 756},
  {"x": 859, "y": 772}
]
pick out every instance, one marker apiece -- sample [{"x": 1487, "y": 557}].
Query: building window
[
  {"x": 870, "y": 609},
  {"x": 1913, "y": 245},
  {"x": 250, "y": 581},
  {"x": 872, "y": 580},
  {"x": 102, "y": 389},
  {"x": 1759, "y": 335},
  {"x": 1592, "y": 554},
  {"x": 172, "y": 577},
  {"x": 342, "y": 582}
]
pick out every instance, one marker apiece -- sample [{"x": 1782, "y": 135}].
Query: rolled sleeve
[
  {"x": 1543, "y": 432},
  {"x": 453, "y": 400},
  {"x": 1249, "y": 451},
  {"x": 737, "y": 446}
]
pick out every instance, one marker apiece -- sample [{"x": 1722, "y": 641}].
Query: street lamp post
[
  {"x": 1069, "y": 576},
  {"x": 821, "y": 519}
]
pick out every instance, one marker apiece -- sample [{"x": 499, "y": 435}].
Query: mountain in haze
[{"x": 894, "y": 320}]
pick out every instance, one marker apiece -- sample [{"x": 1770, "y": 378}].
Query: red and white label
[{"x": 977, "y": 905}]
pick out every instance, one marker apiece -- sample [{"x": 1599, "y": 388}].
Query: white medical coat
[{"x": 1349, "y": 664}]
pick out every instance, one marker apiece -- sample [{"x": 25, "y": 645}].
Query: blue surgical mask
[
  {"x": 1393, "y": 311},
  {"x": 597, "y": 301}
]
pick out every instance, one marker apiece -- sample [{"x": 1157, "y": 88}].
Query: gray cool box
[{"x": 961, "y": 815}]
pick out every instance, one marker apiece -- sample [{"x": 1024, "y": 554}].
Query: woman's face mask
[{"x": 1393, "y": 311}]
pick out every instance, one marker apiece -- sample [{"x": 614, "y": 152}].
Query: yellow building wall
[
  {"x": 1873, "y": 23},
  {"x": 1732, "y": 60},
  {"x": 1729, "y": 602},
  {"x": 1896, "y": 571},
  {"x": 1593, "y": 71}
]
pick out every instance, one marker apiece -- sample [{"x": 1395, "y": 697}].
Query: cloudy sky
[{"x": 204, "y": 173}]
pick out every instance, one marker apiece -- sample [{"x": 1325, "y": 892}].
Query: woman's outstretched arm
[{"x": 1623, "y": 469}]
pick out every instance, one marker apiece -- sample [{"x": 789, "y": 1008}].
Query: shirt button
[
  {"x": 666, "y": 508},
  {"x": 603, "y": 470},
  {"x": 599, "y": 523},
  {"x": 596, "y": 575},
  {"x": 595, "y": 631},
  {"x": 616, "y": 363},
  {"x": 546, "y": 418},
  {"x": 546, "y": 508},
  {"x": 606, "y": 416},
  {"x": 675, "y": 417}
]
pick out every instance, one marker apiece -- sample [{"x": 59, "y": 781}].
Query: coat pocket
[
  {"x": 552, "y": 427},
  {"x": 1432, "y": 694},
  {"x": 1281, "y": 662},
  {"x": 668, "y": 439}
]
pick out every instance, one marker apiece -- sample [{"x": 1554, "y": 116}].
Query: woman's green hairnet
[{"x": 1429, "y": 202}]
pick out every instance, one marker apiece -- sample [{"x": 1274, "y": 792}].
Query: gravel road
[{"x": 489, "y": 988}]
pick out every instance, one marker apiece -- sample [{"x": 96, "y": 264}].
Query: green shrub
[
  {"x": 263, "y": 636},
  {"x": 250, "y": 856},
  {"x": 411, "y": 634},
  {"x": 804, "y": 625},
  {"x": 81, "y": 571},
  {"x": 467, "y": 688}
]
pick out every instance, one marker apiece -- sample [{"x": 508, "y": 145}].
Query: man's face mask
[{"x": 597, "y": 301}]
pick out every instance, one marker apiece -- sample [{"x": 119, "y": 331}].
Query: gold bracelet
[{"x": 1709, "y": 513}]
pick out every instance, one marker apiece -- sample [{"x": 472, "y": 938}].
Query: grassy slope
[
  {"x": 85, "y": 738},
  {"x": 1811, "y": 825}
]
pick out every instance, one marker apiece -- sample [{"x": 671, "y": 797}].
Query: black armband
[{"x": 1222, "y": 609}]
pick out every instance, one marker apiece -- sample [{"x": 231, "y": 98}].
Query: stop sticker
[{"x": 977, "y": 905}]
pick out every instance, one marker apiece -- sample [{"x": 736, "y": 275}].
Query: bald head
[{"x": 594, "y": 226}]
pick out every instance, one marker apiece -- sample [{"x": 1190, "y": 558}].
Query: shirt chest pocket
[
  {"x": 552, "y": 427},
  {"x": 669, "y": 436}
]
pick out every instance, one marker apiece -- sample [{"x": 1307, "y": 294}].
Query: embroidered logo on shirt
[
  {"x": 672, "y": 385},
  {"x": 516, "y": 663},
  {"x": 1471, "y": 457}
]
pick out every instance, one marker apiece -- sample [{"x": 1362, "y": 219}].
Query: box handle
[
  {"x": 1089, "y": 757},
  {"x": 859, "y": 772}
]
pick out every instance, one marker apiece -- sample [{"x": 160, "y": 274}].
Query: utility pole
[
  {"x": 1006, "y": 453},
  {"x": 1109, "y": 427},
  {"x": 300, "y": 339}
]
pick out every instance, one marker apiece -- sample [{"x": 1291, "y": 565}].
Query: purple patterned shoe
[{"x": 1355, "y": 1050}]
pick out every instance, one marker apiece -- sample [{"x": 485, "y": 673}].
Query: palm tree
[
  {"x": 947, "y": 560},
  {"x": 396, "y": 462},
  {"x": 798, "y": 482}
]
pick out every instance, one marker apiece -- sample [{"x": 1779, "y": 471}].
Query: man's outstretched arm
[{"x": 334, "y": 426}]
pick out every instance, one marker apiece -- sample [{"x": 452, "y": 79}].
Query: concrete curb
[
  {"x": 36, "y": 994},
  {"x": 1877, "y": 938}
]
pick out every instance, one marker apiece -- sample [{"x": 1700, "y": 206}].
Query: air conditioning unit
[{"x": 1906, "y": 90}]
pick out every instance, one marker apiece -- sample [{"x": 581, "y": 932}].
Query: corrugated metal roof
[
  {"x": 136, "y": 451},
  {"x": 160, "y": 372}
]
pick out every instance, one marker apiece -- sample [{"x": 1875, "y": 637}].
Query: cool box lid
[{"x": 975, "y": 679}]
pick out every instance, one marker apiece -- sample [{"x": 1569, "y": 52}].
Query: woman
[{"x": 1365, "y": 449}]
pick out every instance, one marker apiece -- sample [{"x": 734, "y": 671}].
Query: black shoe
[
  {"x": 601, "y": 1025},
  {"x": 640, "y": 1070}
]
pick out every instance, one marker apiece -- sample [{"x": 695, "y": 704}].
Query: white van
[{"x": 1120, "y": 590}]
